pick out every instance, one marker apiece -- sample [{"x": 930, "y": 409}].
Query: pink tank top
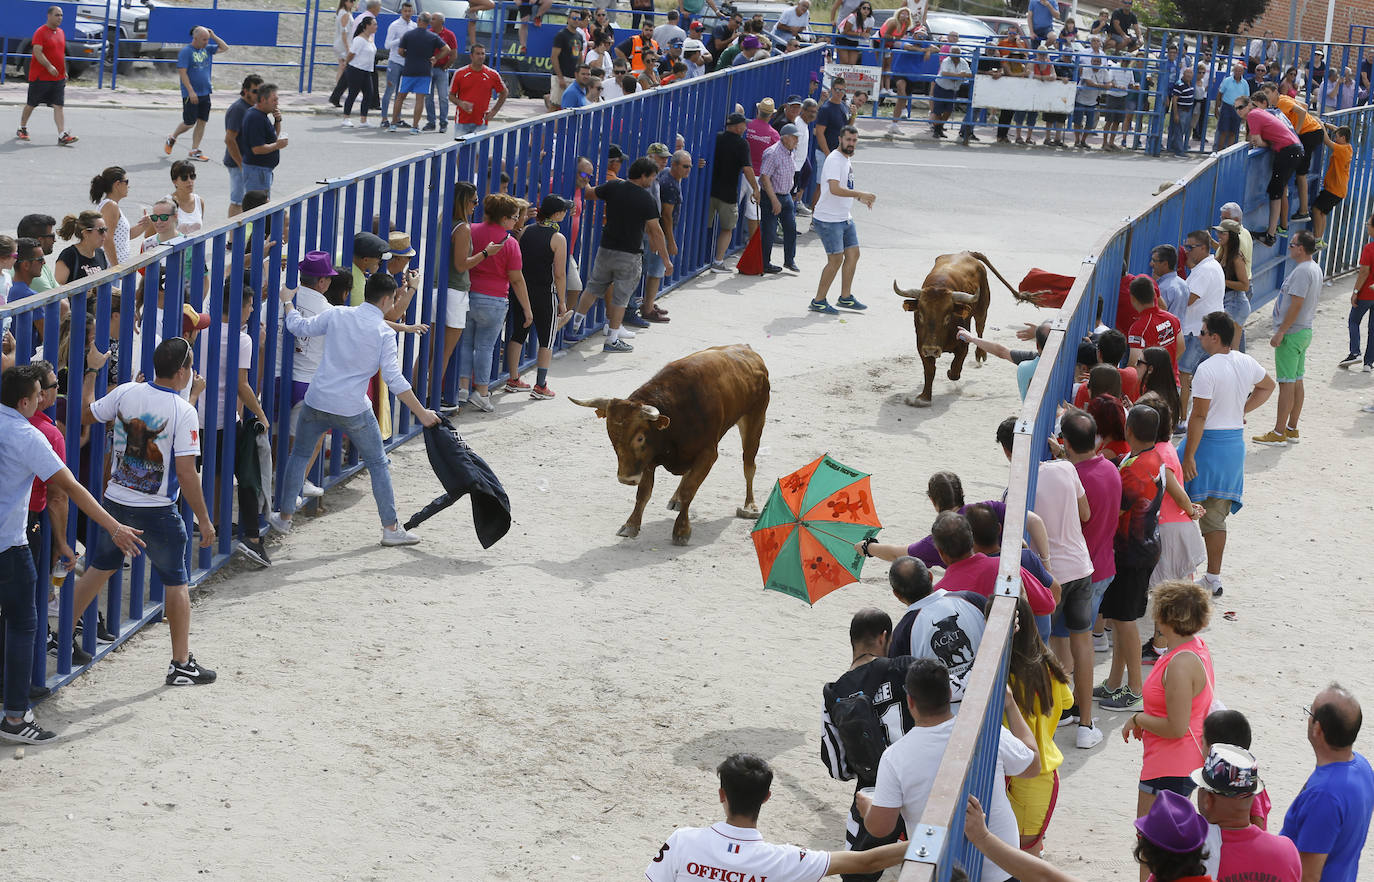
[
  {"x": 1176, "y": 757},
  {"x": 1169, "y": 512}
]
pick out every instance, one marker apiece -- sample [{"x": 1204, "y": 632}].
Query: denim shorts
[
  {"x": 163, "y": 532},
  {"x": 257, "y": 177},
  {"x": 1180, "y": 784},
  {"x": 236, "y": 189},
  {"x": 1192, "y": 354},
  {"x": 653, "y": 264},
  {"x": 836, "y": 236},
  {"x": 464, "y": 129}
]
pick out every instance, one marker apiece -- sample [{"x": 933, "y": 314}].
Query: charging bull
[
  {"x": 676, "y": 420},
  {"x": 954, "y": 293}
]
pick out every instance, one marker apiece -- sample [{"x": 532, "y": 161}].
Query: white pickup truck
[{"x": 126, "y": 22}]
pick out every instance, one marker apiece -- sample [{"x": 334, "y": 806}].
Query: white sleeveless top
[
  {"x": 189, "y": 222},
  {"x": 120, "y": 232}
]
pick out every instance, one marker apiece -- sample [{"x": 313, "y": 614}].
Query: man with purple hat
[
  {"x": 1237, "y": 850},
  {"x": 1172, "y": 840},
  {"x": 316, "y": 270}
]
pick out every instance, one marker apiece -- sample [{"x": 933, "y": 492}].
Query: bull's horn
[
  {"x": 598, "y": 403},
  {"x": 913, "y": 293},
  {"x": 963, "y": 297},
  {"x": 649, "y": 411}
]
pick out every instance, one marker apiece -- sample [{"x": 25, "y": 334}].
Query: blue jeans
[
  {"x": 17, "y": 577},
  {"x": 257, "y": 177},
  {"x": 768, "y": 222},
  {"x": 467, "y": 128},
  {"x": 1180, "y": 128},
  {"x": 1357, "y": 313},
  {"x": 1237, "y": 306},
  {"x": 438, "y": 90},
  {"x": 393, "y": 82},
  {"x": 363, "y": 431},
  {"x": 486, "y": 320}
]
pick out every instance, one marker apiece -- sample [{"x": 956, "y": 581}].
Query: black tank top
[{"x": 536, "y": 259}]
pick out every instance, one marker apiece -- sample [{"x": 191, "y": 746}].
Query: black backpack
[{"x": 861, "y": 732}]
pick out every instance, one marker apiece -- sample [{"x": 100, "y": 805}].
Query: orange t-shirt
[
  {"x": 1288, "y": 106},
  {"x": 1338, "y": 170}
]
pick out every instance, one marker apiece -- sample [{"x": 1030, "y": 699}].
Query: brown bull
[
  {"x": 676, "y": 420},
  {"x": 954, "y": 292},
  {"x": 140, "y": 440}
]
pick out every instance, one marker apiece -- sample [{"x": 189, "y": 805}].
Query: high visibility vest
[{"x": 637, "y": 47}]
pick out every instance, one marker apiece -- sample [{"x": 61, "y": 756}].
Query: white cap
[{"x": 693, "y": 46}]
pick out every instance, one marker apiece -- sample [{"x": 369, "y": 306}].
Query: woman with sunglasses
[
  {"x": 190, "y": 207},
  {"x": 108, "y": 189},
  {"x": 854, "y": 30},
  {"x": 86, "y": 256}
]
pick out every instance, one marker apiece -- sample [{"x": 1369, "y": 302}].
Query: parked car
[
  {"x": 84, "y": 43},
  {"x": 526, "y": 75},
  {"x": 127, "y": 21}
]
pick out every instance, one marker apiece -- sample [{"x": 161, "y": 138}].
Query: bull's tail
[{"x": 1032, "y": 297}]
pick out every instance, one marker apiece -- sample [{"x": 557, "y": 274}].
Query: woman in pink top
[
  {"x": 1267, "y": 130},
  {"x": 497, "y": 273},
  {"x": 1178, "y": 696}
]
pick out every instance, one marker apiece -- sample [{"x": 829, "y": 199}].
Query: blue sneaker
[
  {"x": 617, "y": 346},
  {"x": 634, "y": 320},
  {"x": 850, "y": 303},
  {"x": 823, "y": 307}
]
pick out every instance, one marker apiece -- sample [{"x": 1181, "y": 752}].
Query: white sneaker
[
  {"x": 364, "y": 124},
  {"x": 311, "y": 490},
  {"x": 1101, "y": 643},
  {"x": 719, "y": 266},
  {"x": 481, "y": 402},
  {"x": 1369, "y": 368},
  {"x": 347, "y": 124},
  {"x": 626, "y": 333},
  {"x": 399, "y": 536},
  {"x": 1088, "y": 738},
  {"x": 894, "y": 129},
  {"x": 278, "y": 523}
]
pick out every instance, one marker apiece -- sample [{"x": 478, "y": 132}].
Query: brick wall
[{"x": 1311, "y": 19}]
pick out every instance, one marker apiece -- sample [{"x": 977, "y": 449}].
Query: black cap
[
  {"x": 735, "y": 119},
  {"x": 552, "y": 204},
  {"x": 614, "y": 152},
  {"x": 368, "y": 245},
  {"x": 792, "y": 99}
]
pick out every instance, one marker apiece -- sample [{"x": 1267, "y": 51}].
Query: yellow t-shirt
[
  {"x": 1337, "y": 178},
  {"x": 1287, "y": 106},
  {"x": 1045, "y": 724}
]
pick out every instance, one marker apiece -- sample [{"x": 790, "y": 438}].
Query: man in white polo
[
  {"x": 1206, "y": 294},
  {"x": 734, "y": 848}
]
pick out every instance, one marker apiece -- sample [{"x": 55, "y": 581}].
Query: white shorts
[
  {"x": 456, "y": 313},
  {"x": 574, "y": 277},
  {"x": 751, "y": 209}
]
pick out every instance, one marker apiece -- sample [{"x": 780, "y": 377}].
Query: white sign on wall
[
  {"x": 857, "y": 78},
  {"x": 1023, "y": 93}
]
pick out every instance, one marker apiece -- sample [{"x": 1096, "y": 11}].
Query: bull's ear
[
  {"x": 909, "y": 305},
  {"x": 599, "y": 404},
  {"x": 661, "y": 422}
]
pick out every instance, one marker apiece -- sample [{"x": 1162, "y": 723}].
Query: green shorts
[{"x": 1290, "y": 359}]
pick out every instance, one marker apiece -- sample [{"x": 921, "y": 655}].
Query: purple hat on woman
[
  {"x": 1173, "y": 824},
  {"x": 317, "y": 264}
]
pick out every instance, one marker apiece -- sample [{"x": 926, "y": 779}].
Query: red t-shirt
[
  {"x": 1275, "y": 132},
  {"x": 54, "y": 44},
  {"x": 475, "y": 86},
  {"x": 451, "y": 40},
  {"x": 979, "y": 575},
  {"x": 1138, "y": 489},
  {"x": 1366, "y": 291},
  {"x": 1156, "y": 327},
  {"x": 38, "y": 499}
]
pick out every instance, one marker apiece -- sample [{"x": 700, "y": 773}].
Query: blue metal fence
[{"x": 261, "y": 249}]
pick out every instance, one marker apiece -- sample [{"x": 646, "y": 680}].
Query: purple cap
[
  {"x": 317, "y": 264},
  {"x": 1173, "y": 824}
]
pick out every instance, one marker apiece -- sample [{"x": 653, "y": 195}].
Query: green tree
[{"x": 1225, "y": 16}]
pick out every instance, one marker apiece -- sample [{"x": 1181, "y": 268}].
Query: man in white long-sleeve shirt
[
  {"x": 357, "y": 344},
  {"x": 394, "y": 32}
]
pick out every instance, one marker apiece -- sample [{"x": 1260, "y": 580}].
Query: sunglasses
[
  {"x": 160, "y": 217},
  {"x": 187, "y": 176},
  {"x": 122, "y": 181},
  {"x": 101, "y": 230},
  {"x": 46, "y": 386}
]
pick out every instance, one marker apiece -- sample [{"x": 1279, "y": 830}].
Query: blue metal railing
[{"x": 414, "y": 193}]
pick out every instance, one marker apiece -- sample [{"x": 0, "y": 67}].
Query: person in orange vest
[{"x": 633, "y": 49}]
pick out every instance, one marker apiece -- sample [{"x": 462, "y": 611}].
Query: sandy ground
[{"x": 553, "y": 707}]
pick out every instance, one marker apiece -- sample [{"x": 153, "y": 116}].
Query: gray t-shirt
[{"x": 1305, "y": 282}]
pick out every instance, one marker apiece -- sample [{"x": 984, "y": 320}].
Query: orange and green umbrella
[{"x": 806, "y": 533}]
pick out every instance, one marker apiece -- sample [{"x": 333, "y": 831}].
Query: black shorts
[
  {"x": 1126, "y": 597},
  {"x": 1286, "y": 162},
  {"x": 1326, "y": 201},
  {"x": 526, "y": 10},
  {"x": 1075, "y": 610},
  {"x": 847, "y": 42},
  {"x": 1310, "y": 142},
  {"x": 191, "y": 113},
  {"x": 50, "y": 92},
  {"x": 545, "y": 310}
]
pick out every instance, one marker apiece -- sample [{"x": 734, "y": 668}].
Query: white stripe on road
[{"x": 909, "y": 164}]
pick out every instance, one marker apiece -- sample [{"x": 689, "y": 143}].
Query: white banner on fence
[
  {"x": 857, "y": 78},
  {"x": 1021, "y": 93}
]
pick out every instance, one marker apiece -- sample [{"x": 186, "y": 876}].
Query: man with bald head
[
  {"x": 1329, "y": 819},
  {"x": 193, "y": 69}
]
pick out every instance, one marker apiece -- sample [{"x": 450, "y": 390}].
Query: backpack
[{"x": 860, "y": 730}]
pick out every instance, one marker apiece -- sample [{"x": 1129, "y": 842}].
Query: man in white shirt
[
  {"x": 665, "y": 34},
  {"x": 734, "y": 848},
  {"x": 357, "y": 345},
  {"x": 25, "y": 455},
  {"x": 1206, "y": 294},
  {"x": 834, "y": 223},
  {"x": 1228, "y": 385},
  {"x": 394, "y": 32},
  {"x": 937, "y": 624},
  {"x": 156, "y": 442},
  {"x": 908, "y": 768},
  {"x": 794, "y": 22}
]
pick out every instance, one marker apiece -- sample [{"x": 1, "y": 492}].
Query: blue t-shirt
[
  {"x": 1331, "y": 816},
  {"x": 1024, "y": 371},
  {"x": 834, "y": 117},
  {"x": 258, "y": 130},
  {"x": 573, "y": 96},
  {"x": 1230, "y": 89},
  {"x": 233, "y": 122},
  {"x": 420, "y": 45},
  {"x": 196, "y": 63},
  {"x": 1042, "y": 19}
]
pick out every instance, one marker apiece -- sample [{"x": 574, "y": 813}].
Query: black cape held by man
[{"x": 463, "y": 472}]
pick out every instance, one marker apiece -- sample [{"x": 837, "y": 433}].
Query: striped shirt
[
  {"x": 779, "y": 168},
  {"x": 1183, "y": 95}
]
